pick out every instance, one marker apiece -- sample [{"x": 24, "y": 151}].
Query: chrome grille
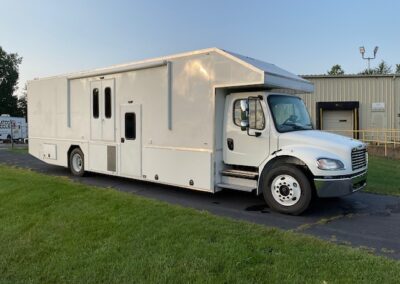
[{"x": 358, "y": 158}]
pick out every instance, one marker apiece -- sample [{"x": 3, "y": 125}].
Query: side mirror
[{"x": 244, "y": 115}]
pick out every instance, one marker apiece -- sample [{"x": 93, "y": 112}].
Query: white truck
[
  {"x": 14, "y": 128},
  {"x": 206, "y": 120}
]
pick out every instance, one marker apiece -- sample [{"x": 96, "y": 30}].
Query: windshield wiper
[{"x": 298, "y": 126}]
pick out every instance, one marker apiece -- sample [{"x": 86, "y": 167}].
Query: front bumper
[{"x": 335, "y": 187}]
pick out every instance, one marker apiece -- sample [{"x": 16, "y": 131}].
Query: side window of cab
[{"x": 256, "y": 114}]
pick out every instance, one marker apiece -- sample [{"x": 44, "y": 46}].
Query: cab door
[
  {"x": 131, "y": 140},
  {"x": 248, "y": 146}
]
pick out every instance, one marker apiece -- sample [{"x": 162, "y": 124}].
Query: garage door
[{"x": 337, "y": 121}]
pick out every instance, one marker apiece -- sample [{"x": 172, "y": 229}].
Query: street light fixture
[
  {"x": 362, "y": 51},
  {"x": 375, "y": 50}
]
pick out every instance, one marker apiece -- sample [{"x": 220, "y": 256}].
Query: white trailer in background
[
  {"x": 205, "y": 120},
  {"x": 13, "y": 127}
]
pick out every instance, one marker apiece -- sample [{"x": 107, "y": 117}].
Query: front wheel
[
  {"x": 286, "y": 189},
  {"x": 76, "y": 162}
]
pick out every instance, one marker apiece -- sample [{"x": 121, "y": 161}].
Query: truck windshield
[{"x": 289, "y": 113}]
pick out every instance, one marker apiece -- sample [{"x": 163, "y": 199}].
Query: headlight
[{"x": 329, "y": 164}]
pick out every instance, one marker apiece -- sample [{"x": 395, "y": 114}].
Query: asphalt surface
[{"x": 367, "y": 221}]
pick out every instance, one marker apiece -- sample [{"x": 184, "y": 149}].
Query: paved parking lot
[{"x": 367, "y": 221}]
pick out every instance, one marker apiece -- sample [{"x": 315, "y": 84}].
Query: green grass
[
  {"x": 19, "y": 150},
  {"x": 383, "y": 176},
  {"x": 54, "y": 230}
]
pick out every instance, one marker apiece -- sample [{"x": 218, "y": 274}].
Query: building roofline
[{"x": 349, "y": 76}]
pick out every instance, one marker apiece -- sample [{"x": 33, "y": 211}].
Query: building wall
[
  {"x": 397, "y": 103},
  {"x": 367, "y": 90}
]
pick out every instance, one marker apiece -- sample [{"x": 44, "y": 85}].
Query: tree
[
  {"x": 9, "y": 74},
  {"x": 367, "y": 72},
  {"x": 397, "y": 68},
  {"x": 382, "y": 68},
  {"x": 336, "y": 70},
  {"x": 23, "y": 103}
]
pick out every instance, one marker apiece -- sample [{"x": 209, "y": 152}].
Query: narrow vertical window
[
  {"x": 95, "y": 103},
  {"x": 107, "y": 102},
  {"x": 130, "y": 126}
]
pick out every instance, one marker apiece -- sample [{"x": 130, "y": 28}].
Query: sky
[{"x": 304, "y": 37}]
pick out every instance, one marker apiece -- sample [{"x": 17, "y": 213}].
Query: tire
[
  {"x": 286, "y": 189},
  {"x": 77, "y": 162}
]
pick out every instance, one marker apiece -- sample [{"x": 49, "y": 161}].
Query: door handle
[
  {"x": 122, "y": 140},
  {"x": 230, "y": 143}
]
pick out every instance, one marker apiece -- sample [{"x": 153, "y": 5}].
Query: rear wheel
[
  {"x": 76, "y": 162},
  {"x": 286, "y": 189}
]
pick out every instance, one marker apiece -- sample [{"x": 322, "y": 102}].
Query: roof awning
[{"x": 276, "y": 77}]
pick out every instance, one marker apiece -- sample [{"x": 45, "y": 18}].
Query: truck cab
[{"x": 271, "y": 145}]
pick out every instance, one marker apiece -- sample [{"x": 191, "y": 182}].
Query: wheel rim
[
  {"x": 77, "y": 162},
  {"x": 286, "y": 190}
]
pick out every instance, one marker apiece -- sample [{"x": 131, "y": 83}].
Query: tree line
[
  {"x": 9, "y": 75},
  {"x": 382, "y": 68}
]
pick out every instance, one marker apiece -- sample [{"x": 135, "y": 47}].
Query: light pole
[
  {"x": 362, "y": 51},
  {"x": 12, "y": 134}
]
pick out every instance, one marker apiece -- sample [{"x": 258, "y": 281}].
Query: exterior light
[
  {"x": 375, "y": 50},
  {"x": 362, "y": 51},
  {"x": 329, "y": 164}
]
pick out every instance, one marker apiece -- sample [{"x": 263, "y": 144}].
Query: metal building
[{"x": 354, "y": 102}]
